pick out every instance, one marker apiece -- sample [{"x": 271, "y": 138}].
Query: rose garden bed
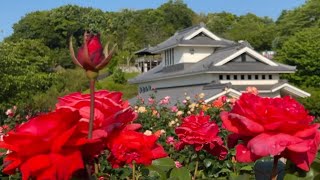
[{"x": 100, "y": 136}]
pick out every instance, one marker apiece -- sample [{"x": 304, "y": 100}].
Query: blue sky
[{"x": 12, "y": 10}]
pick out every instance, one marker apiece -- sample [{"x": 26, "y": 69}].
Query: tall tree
[
  {"x": 259, "y": 32},
  {"x": 302, "y": 50},
  {"x": 177, "y": 15},
  {"x": 25, "y": 69},
  {"x": 292, "y": 21},
  {"x": 220, "y": 23}
]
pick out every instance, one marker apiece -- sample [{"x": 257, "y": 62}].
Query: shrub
[{"x": 118, "y": 77}]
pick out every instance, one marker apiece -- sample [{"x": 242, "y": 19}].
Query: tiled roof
[
  {"x": 178, "y": 39},
  {"x": 207, "y": 65}
]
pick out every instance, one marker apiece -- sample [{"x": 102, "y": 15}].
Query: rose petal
[
  {"x": 271, "y": 144},
  {"x": 243, "y": 154},
  {"x": 240, "y": 124}
]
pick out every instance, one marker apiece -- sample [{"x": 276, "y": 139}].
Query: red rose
[
  {"x": 130, "y": 146},
  {"x": 271, "y": 127},
  {"x": 91, "y": 55},
  {"x": 45, "y": 147},
  {"x": 111, "y": 113},
  {"x": 201, "y": 133}
]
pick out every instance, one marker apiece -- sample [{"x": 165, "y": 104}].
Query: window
[
  {"x": 221, "y": 77},
  {"x": 228, "y": 77},
  {"x": 249, "y": 76},
  {"x": 263, "y": 76},
  {"x": 256, "y": 76},
  {"x": 270, "y": 76},
  {"x": 242, "y": 77},
  {"x": 235, "y": 77},
  {"x": 243, "y": 57},
  {"x": 169, "y": 57}
]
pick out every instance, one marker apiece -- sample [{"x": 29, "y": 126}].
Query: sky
[{"x": 11, "y": 11}]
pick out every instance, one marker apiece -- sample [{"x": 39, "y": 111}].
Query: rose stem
[
  {"x": 92, "y": 82},
  {"x": 196, "y": 170},
  {"x": 274, "y": 173},
  {"x": 133, "y": 171}
]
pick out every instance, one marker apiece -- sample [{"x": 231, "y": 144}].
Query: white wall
[{"x": 182, "y": 54}]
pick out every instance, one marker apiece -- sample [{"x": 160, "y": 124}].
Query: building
[
  {"x": 147, "y": 60},
  {"x": 194, "y": 60}
]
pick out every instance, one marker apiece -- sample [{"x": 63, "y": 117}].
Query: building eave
[
  {"x": 230, "y": 91},
  {"x": 132, "y": 81},
  {"x": 184, "y": 45},
  {"x": 249, "y": 51}
]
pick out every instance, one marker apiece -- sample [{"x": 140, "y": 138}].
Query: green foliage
[
  {"x": 128, "y": 90},
  {"x": 302, "y": 50},
  {"x": 259, "y": 32},
  {"x": 220, "y": 23},
  {"x": 26, "y": 69},
  {"x": 176, "y": 15},
  {"x": 118, "y": 77},
  {"x": 68, "y": 81},
  {"x": 292, "y": 21},
  {"x": 55, "y": 26},
  {"x": 312, "y": 103}
]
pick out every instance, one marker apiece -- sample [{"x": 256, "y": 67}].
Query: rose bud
[{"x": 91, "y": 56}]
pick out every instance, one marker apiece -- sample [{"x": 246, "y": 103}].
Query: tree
[
  {"x": 292, "y": 21},
  {"x": 220, "y": 23},
  {"x": 259, "y": 32},
  {"x": 177, "y": 15},
  {"x": 25, "y": 69},
  {"x": 302, "y": 50}
]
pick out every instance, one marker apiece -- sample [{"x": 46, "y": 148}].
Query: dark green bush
[{"x": 118, "y": 77}]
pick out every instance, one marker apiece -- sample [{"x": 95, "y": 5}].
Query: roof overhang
[
  {"x": 292, "y": 90},
  {"x": 249, "y": 51},
  {"x": 288, "y": 88},
  {"x": 133, "y": 81},
  {"x": 228, "y": 91},
  {"x": 183, "y": 45},
  {"x": 205, "y": 31}
]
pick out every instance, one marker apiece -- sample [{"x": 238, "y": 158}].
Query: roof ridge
[
  {"x": 186, "y": 29},
  {"x": 232, "y": 46}
]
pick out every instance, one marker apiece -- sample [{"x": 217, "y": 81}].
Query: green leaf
[
  {"x": 290, "y": 177},
  {"x": 180, "y": 174},
  {"x": 161, "y": 167},
  {"x": 165, "y": 164},
  {"x": 224, "y": 170},
  {"x": 234, "y": 176},
  {"x": 155, "y": 170},
  {"x": 246, "y": 168},
  {"x": 207, "y": 162}
]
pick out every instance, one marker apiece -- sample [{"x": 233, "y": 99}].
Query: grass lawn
[{"x": 128, "y": 90}]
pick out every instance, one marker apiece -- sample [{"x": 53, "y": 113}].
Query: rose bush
[
  {"x": 44, "y": 145},
  {"x": 189, "y": 122},
  {"x": 272, "y": 127}
]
